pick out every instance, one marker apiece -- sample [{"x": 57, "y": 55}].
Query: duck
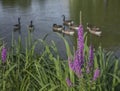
[
  {"x": 18, "y": 25},
  {"x": 74, "y": 27},
  {"x": 57, "y": 28},
  {"x": 31, "y": 26},
  {"x": 67, "y": 22},
  {"x": 94, "y": 30},
  {"x": 68, "y": 32}
]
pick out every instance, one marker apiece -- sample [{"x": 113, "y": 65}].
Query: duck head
[
  {"x": 89, "y": 25},
  {"x": 54, "y": 25}
]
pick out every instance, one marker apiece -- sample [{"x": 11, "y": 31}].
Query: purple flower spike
[
  {"x": 77, "y": 65},
  {"x": 4, "y": 54},
  {"x": 96, "y": 74},
  {"x": 69, "y": 83},
  {"x": 91, "y": 56},
  {"x": 80, "y": 44}
]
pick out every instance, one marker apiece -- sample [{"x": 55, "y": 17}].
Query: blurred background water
[{"x": 44, "y": 13}]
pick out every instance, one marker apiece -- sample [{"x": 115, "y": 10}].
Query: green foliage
[{"x": 27, "y": 71}]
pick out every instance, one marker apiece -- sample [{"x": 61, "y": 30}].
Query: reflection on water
[
  {"x": 43, "y": 13},
  {"x": 16, "y": 3},
  {"x": 103, "y": 13}
]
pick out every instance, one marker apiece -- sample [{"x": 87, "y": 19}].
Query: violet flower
[
  {"x": 91, "y": 56},
  {"x": 69, "y": 83},
  {"x": 96, "y": 74},
  {"x": 4, "y": 54},
  {"x": 76, "y": 64},
  {"x": 80, "y": 44}
]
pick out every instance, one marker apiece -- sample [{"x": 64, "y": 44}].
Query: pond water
[{"x": 44, "y": 13}]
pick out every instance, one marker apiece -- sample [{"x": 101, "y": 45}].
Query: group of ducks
[
  {"x": 72, "y": 27},
  {"x": 61, "y": 29},
  {"x": 17, "y": 27}
]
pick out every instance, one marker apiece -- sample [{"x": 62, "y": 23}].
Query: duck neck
[
  {"x": 31, "y": 23},
  {"x": 63, "y": 17},
  {"x": 19, "y": 21}
]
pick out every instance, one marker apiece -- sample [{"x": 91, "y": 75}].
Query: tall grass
[{"x": 28, "y": 71}]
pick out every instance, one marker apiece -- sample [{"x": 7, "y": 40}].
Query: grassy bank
[{"x": 28, "y": 71}]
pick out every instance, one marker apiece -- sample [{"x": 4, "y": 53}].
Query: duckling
[
  {"x": 57, "y": 28},
  {"x": 17, "y": 26},
  {"x": 94, "y": 30},
  {"x": 67, "y": 22},
  {"x": 31, "y": 26}
]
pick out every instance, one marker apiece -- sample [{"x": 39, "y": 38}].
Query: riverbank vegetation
[{"x": 86, "y": 69}]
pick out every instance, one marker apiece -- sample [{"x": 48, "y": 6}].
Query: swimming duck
[
  {"x": 67, "y": 22},
  {"x": 74, "y": 27},
  {"x": 17, "y": 26},
  {"x": 93, "y": 27},
  {"x": 68, "y": 32},
  {"x": 31, "y": 26},
  {"x": 57, "y": 28},
  {"x": 94, "y": 30}
]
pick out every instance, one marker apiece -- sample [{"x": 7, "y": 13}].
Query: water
[{"x": 103, "y": 13}]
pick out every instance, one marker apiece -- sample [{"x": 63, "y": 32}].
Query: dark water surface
[{"x": 103, "y": 13}]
